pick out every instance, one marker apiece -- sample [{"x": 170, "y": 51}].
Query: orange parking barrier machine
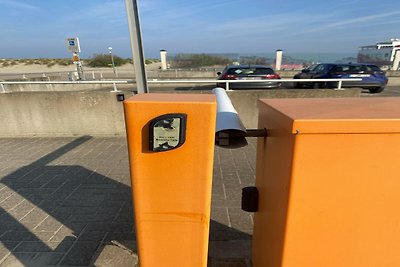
[
  {"x": 171, "y": 149},
  {"x": 328, "y": 180}
]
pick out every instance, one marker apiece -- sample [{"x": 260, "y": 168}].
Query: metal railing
[
  {"x": 156, "y": 81},
  {"x": 227, "y": 82}
]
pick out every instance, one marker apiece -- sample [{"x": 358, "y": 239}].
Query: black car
[
  {"x": 249, "y": 73},
  {"x": 372, "y": 77}
]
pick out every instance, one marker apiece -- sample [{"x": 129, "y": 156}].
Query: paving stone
[
  {"x": 11, "y": 202},
  {"x": 80, "y": 254},
  {"x": 71, "y": 232},
  {"x": 240, "y": 220},
  {"x": 229, "y": 263},
  {"x": 6, "y": 248},
  {"x": 18, "y": 236},
  {"x": 80, "y": 189},
  {"x": 18, "y": 259},
  {"x": 113, "y": 256},
  {"x": 32, "y": 246},
  {"x": 35, "y": 217},
  {"x": 60, "y": 247},
  {"x": 92, "y": 236},
  {"x": 46, "y": 259},
  {"x": 6, "y": 193},
  {"x": 119, "y": 237},
  {"x": 227, "y": 233},
  {"x": 220, "y": 215},
  {"x": 49, "y": 224},
  {"x": 231, "y": 249},
  {"x": 110, "y": 227}
]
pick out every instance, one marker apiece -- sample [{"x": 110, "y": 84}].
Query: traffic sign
[{"x": 73, "y": 45}]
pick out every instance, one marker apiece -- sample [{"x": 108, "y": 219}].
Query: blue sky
[{"x": 38, "y": 28}]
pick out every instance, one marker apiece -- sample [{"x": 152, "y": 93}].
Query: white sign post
[{"x": 74, "y": 47}]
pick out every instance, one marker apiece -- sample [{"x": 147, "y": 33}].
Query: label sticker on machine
[{"x": 167, "y": 132}]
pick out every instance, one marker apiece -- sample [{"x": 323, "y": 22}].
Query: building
[{"x": 382, "y": 54}]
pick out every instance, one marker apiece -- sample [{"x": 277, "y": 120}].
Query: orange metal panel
[
  {"x": 172, "y": 189},
  {"x": 338, "y": 115},
  {"x": 327, "y": 199}
]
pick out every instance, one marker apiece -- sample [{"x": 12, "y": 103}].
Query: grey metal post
[
  {"x": 132, "y": 12},
  {"x": 339, "y": 87},
  {"x": 112, "y": 61}
]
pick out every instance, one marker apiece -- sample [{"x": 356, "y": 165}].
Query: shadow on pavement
[{"x": 64, "y": 214}]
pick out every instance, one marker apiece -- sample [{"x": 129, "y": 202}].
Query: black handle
[{"x": 250, "y": 199}]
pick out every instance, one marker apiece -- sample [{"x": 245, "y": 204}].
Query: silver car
[{"x": 249, "y": 73}]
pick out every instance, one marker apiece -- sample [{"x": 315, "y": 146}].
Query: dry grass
[{"x": 49, "y": 62}]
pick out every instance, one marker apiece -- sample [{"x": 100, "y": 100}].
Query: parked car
[
  {"x": 250, "y": 73},
  {"x": 373, "y": 78}
]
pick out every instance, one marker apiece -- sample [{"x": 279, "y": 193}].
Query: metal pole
[
  {"x": 132, "y": 12},
  {"x": 112, "y": 61},
  {"x": 115, "y": 88},
  {"x": 339, "y": 85}
]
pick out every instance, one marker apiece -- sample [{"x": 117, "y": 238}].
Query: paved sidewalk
[{"x": 67, "y": 202}]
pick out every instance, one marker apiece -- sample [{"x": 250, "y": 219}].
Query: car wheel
[
  {"x": 376, "y": 90},
  {"x": 298, "y": 85},
  {"x": 316, "y": 86},
  {"x": 331, "y": 85}
]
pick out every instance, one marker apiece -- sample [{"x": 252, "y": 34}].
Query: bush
[
  {"x": 104, "y": 60},
  {"x": 64, "y": 62},
  {"x": 151, "y": 60},
  {"x": 198, "y": 60},
  {"x": 255, "y": 60}
]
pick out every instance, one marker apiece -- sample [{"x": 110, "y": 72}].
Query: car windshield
[
  {"x": 250, "y": 71},
  {"x": 312, "y": 67}
]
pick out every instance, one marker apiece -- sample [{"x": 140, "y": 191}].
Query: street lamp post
[{"x": 112, "y": 61}]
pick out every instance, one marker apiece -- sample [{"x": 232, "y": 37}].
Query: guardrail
[
  {"x": 227, "y": 82},
  {"x": 156, "y": 81}
]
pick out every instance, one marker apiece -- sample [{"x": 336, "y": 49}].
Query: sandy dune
[{"x": 35, "y": 68}]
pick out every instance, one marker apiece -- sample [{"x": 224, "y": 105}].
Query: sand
[{"x": 35, "y": 68}]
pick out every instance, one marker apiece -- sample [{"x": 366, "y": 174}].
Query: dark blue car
[{"x": 373, "y": 78}]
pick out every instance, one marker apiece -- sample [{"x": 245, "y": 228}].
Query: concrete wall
[
  {"x": 100, "y": 114},
  {"x": 245, "y": 102},
  {"x": 61, "y": 87},
  {"x": 60, "y": 114}
]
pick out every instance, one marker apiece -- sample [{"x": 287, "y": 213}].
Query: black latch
[{"x": 250, "y": 199}]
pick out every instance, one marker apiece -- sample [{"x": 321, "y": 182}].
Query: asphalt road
[{"x": 390, "y": 91}]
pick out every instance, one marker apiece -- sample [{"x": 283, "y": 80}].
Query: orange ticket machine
[
  {"x": 328, "y": 180},
  {"x": 171, "y": 149}
]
